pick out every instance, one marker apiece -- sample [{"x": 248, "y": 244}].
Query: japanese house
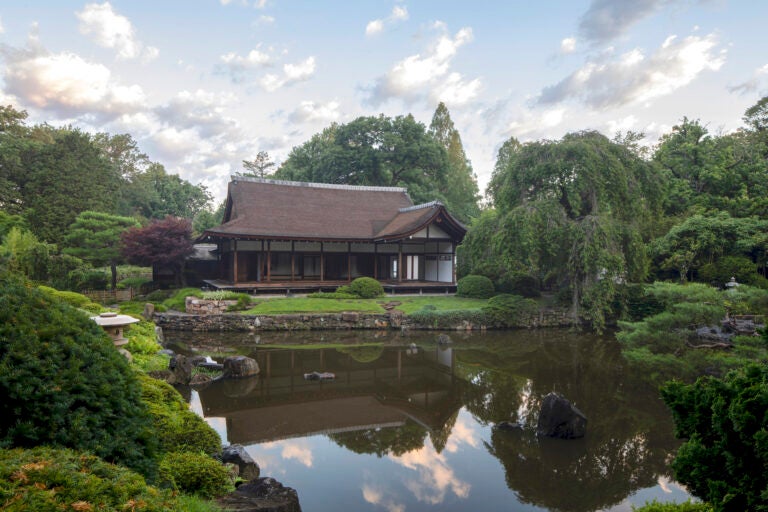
[{"x": 285, "y": 235}]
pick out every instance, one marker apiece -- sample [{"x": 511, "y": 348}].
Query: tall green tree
[
  {"x": 154, "y": 194},
  {"x": 374, "y": 151},
  {"x": 460, "y": 186},
  {"x": 572, "y": 211},
  {"x": 95, "y": 237},
  {"x": 62, "y": 178}
]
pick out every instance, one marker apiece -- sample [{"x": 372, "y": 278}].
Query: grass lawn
[{"x": 408, "y": 304}]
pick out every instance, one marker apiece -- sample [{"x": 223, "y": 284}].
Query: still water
[{"x": 407, "y": 424}]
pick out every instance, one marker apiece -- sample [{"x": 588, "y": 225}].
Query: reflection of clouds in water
[
  {"x": 375, "y": 496},
  {"x": 218, "y": 424},
  {"x": 298, "y": 450},
  {"x": 434, "y": 478},
  {"x": 462, "y": 433},
  {"x": 669, "y": 486}
]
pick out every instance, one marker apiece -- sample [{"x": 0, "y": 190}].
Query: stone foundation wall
[
  {"x": 196, "y": 306},
  {"x": 335, "y": 321}
]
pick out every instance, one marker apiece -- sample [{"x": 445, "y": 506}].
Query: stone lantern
[{"x": 114, "y": 324}]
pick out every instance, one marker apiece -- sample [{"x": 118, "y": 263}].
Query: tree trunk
[{"x": 113, "y": 267}]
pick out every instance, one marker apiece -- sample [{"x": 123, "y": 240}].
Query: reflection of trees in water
[
  {"x": 439, "y": 437},
  {"x": 383, "y": 441},
  {"x": 628, "y": 430},
  {"x": 363, "y": 354}
]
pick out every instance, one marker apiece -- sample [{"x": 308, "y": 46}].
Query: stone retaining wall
[{"x": 334, "y": 321}]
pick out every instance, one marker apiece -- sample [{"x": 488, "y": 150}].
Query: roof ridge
[
  {"x": 310, "y": 184},
  {"x": 430, "y": 204}
]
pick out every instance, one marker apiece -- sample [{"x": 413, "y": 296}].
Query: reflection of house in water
[{"x": 375, "y": 387}]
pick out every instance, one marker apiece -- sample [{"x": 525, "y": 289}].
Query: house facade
[{"x": 314, "y": 235}]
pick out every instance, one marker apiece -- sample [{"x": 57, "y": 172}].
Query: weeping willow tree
[{"x": 575, "y": 213}]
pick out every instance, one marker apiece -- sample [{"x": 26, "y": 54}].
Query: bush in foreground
[
  {"x": 63, "y": 383},
  {"x": 508, "y": 310},
  {"x": 61, "y": 479},
  {"x": 724, "y": 421},
  {"x": 182, "y": 429}
]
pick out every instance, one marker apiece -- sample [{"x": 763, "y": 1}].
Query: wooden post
[
  {"x": 234, "y": 264},
  {"x": 322, "y": 263},
  {"x": 399, "y": 262},
  {"x": 269, "y": 260},
  {"x": 293, "y": 261},
  {"x": 349, "y": 261},
  {"x": 453, "y": 263}
]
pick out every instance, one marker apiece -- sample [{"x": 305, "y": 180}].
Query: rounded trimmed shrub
[
  {"x": 475, "y": 287},
  {"x": 63, "y": 383},
  {"x": 366, "y": 288},
  {"x": 196, "y": 474}
]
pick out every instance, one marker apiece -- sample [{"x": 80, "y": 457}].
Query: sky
[{"x": 202, "y": 85}]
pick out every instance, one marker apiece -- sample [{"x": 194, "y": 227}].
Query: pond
[{"x": 407, "y": 423}]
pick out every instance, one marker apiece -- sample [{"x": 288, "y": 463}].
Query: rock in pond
[
  {"x": 261, "y": 495},
  {"x": 319, "y": 376},
  {"x": 559, "y": 418},
  {"x": 239, "y": 367}
]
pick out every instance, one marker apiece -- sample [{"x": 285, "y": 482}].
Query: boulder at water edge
[
  {"x": 236, "y": 454},
  {"x": 261, "y": 495},
  {"x": 559, "y": 418},
  {"x": 239, "y": 367}
]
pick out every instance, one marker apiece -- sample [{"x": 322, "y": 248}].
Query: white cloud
[
  {"x": 621, "y": 125},
  {"x": 236, "y": 66},
  {"x": 530, "y": 125},
  {"x": 67, "y": 85},
  {"x": 111, "y": 30},
  {"x": 265, "y": 20},
  {"x": 568, "y": 45},
  {"x": 292, "y": 73},
  {"x": 632, "y": 77},
  {"x": 2, "y": 29},
  {"x": 309, "y": 111},
  {"x": 374, "y": 27},
  {"x": 428, "y": 74},
  {"x": 399, "y": 13}
]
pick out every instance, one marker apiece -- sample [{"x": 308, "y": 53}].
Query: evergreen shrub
[
  {"x": 507, "y": 310},
  {"x": 182, "y": 429},
  {"x": 366, "y": 288},
  {"x": 448, "y": 319},
  {"x": 475, "y": 287},
  {"x": 518, "y": 284},
  {"x": 63, "y": 383},
  {"x": 195, "y": 473},
  {"x": 44, "y": 478}
]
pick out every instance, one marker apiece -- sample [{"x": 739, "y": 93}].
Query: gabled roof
[{"x": 259, "y": 208}]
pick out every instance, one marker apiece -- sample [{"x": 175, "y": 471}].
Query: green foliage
[
  {"x": 366, "y": 288},
  {"x": 507, "y": 310},
  {"x": 374, "y": 151},
  {"x": 95, "y": 237},
  {"x": 64, "y": 384},
  {"x": 518, "y": 283},
  {"x": 476, "y": 287},
  {"x": 196, "y": 474},
  {"x": 243, "y": 303},
  {"x": 332, "y": 295},
  {"x": 88, "y": 279},
  {"x": 688, "y": 506},
  {"x": 25, "y": 254},
  {"x": 182, "y": 429},
  {"x": 724, "y": 422},
  {"x": 142, "y": 339},
  {"x": 721, "y": 271},
  {"x": 448, "y": 319},
  {"x": 75, "y": 299},
  {"x": 178, "y": 300},
  {"x": 133, "y": 282},
  {"x": 44, "y": 478}
]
